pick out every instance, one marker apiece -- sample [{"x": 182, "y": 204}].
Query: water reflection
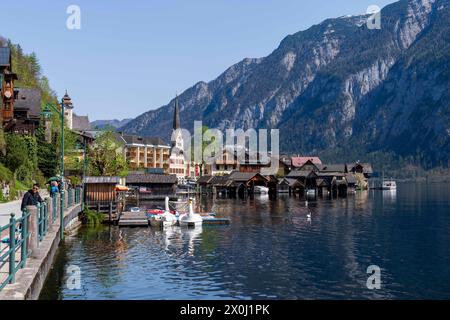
[{"x": 272, "y": 250}]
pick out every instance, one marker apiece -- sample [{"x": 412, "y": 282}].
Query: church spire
[{"x": 176, "y": 115}]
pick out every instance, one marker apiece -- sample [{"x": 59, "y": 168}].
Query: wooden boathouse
[
  {"x": 237, "y": 183},
  {"x": 101, "y": 195},
  {"x": 150, "y": 186}
]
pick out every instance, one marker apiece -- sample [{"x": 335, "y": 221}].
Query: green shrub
[{"x": 91, "y": 217}]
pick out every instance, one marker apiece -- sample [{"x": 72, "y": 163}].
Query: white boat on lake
[
  {"x": 389, "y": 185},
  {"x": 261, "y": 190}
]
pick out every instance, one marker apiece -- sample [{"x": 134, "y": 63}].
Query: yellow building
[{"x": 146, "y": 152}]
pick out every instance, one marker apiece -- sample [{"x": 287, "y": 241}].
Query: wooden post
[
  {"x": 110, "y": 212},
  {"x": 33, "y": 229},
  {"x": 98, "y": 207}
]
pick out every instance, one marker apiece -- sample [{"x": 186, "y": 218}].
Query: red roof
[{"x": 299, "y": 161}]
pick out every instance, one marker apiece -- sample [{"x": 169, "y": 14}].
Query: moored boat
[
  {"x": 261, "y": 190},
  {"x": 164, "y": 219},
  {"x": 190, "y": 219},
  {"x": 389, "y": 185}
]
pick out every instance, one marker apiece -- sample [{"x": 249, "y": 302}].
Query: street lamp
[
  {"x": 61, "y": 113},
  {"x": 46, "y": 113}
]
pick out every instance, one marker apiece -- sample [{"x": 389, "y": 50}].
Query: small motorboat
[
  {"x": 190, "y": 219},
  {"x": 389, "y": 185},
  {"x": 261, "y": 190}
]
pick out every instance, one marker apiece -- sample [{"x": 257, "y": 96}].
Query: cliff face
[{"x": 335, "y": 84}]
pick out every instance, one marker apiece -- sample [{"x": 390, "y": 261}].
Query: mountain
[
  {"x": 338, "y": 88},
  {"x": 111, "y": 123}
]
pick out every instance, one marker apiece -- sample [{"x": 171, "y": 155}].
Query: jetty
[
  {"x": 140, "y": 219},
  {"x": 133, "y": 219}
]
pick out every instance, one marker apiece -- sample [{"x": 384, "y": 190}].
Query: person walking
[
  {"x": 31, "y": 198},
  {"x": 54, "y": 188}
]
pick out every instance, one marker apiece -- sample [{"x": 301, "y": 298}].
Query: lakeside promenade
[
  {"x": 7, "y": 208},
  {"x": 34, "y": 246},
  {"x": 14, "y": 207}
]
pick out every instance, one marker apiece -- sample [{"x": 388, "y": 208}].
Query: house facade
[{"x": 145, "y": 152}]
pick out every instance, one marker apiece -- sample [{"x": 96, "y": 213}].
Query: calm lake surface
[{"x": 272, "y": 251}]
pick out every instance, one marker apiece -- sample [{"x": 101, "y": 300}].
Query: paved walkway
[
  {"x": 14, "y": 207},
  {"x": 7, "y": 208}
]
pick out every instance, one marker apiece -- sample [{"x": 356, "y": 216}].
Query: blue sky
[{"x": 133, "y": 56}]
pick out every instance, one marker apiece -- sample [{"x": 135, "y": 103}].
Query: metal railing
[
  {"x": 54, "y": 208},
  {"x": 14, "y": 245},
  {"x": 42, "y": 220},
  {"x": 14, "y": 249}
]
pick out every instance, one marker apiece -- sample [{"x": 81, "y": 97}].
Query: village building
[
  {"x": 74, "y": 121},
  {"x": 81, "y": 123},
  {"x": 100, "y": 194},
  {"x": 178, "y": 164},
  {"x": 27, "y": 111},
  {"x": 290, "y": 185},
  {"x": 362, "y": 172},
  {"x": 20, "y": 108},
  {"x": 299, "y": 161},
  {"x": 152, "y": 184},
  {"x": 7, "y": 78},
  {"x": 145, "y": 152},
  {"x": 237, "y": 183},
  {"x": 326, "y": 179},
  {"x": 229, "y": 162}
]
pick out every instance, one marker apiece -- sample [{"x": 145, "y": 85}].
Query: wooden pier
[{"x": 133, "y": 219}]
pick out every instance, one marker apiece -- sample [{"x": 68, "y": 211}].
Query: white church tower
[{"x": 178, "y": 163}]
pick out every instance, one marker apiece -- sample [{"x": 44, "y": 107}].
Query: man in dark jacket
[{"x": 31, "y": 198}]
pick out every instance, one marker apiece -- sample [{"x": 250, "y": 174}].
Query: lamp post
[
  {"x": 85, "y": 163},
  {"x": 46, "y": 114},
  {"x": 61, "y": 113}
]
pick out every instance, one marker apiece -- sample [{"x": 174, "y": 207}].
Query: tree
[
  {"x": 46, "y": 155},
  {"x": 16, "y": 152},
  {"x": 194, "y": 149},
  {"x": 106, "y": 156}
]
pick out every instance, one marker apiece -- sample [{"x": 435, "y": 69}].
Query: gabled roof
[
  {"x": 219, "y": 180},
  {"x": 133, "y": 139},
  {"x": 28, "y": 99},
  {"x": 151, "y": 178},
  {"x": 291, "y": 182},
  {"x": 80, "y": 123},
  {"x": 322, "y": 182},
  {"x": 204, "y": 179},
  {"x": 330, "y": 174},
  {"x": 300, "y": 161},
  {"x": 332, "y": 168},
  {"x": 301, "y": 174},
  {"x": 367, "y": 167},
  {"x": 244, "y": 176},
  {"x": 106, "y": 180}
]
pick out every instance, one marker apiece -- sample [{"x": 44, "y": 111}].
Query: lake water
[{"x": 272, "y": 251}]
